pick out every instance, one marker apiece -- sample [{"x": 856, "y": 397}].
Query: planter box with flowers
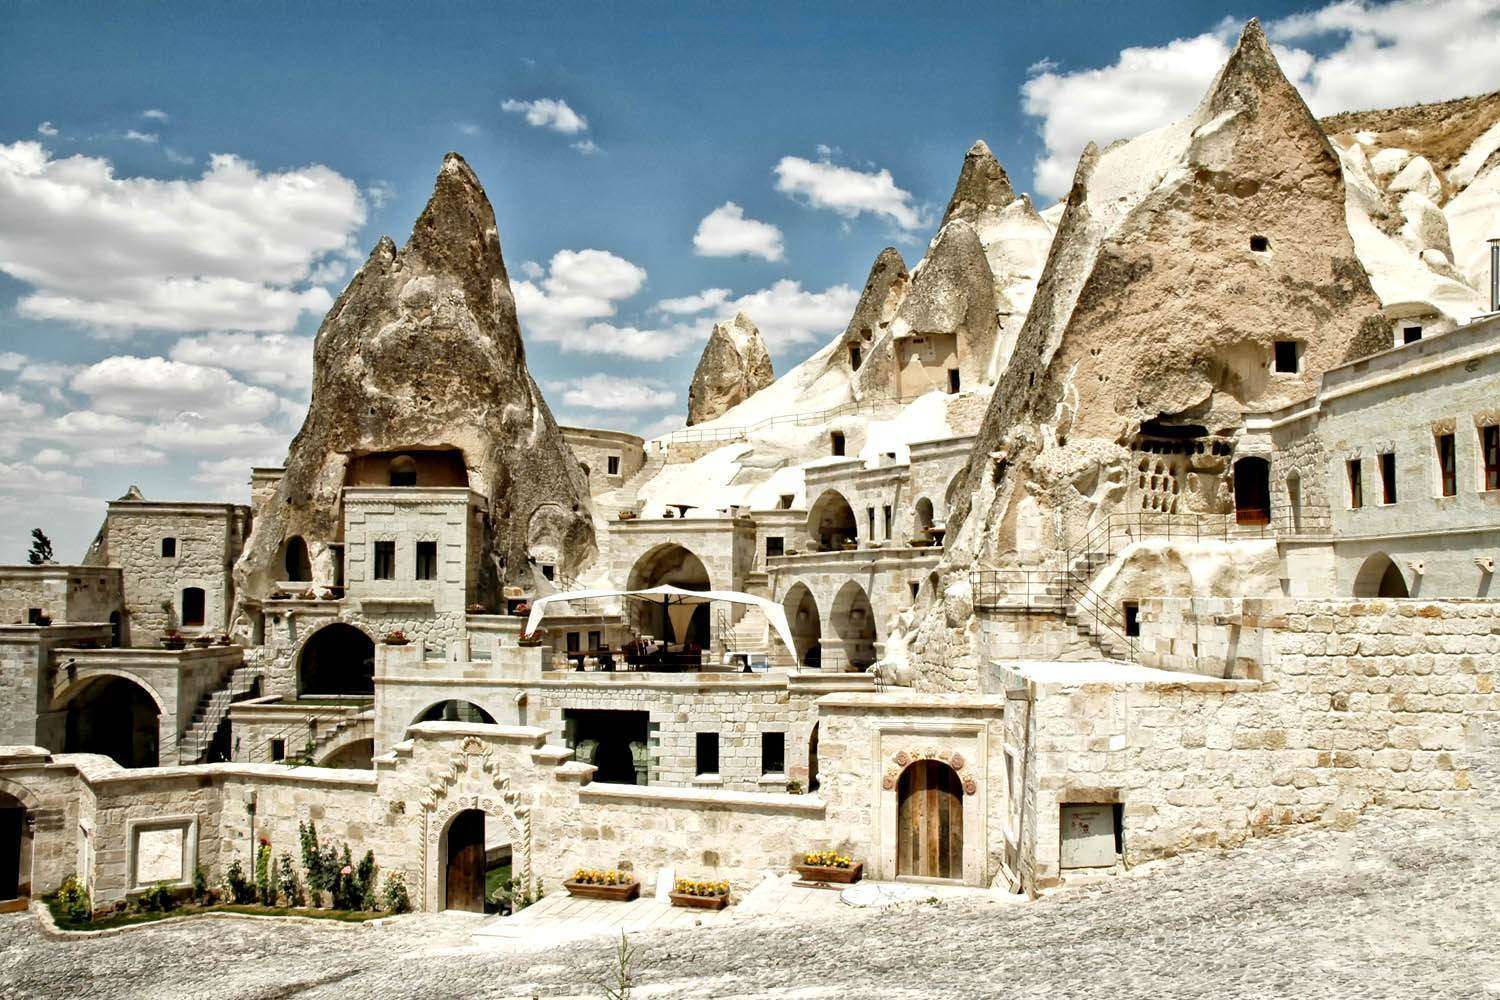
[
  {"x": 396, "y": 638},
  {"x": 829, "y": 866},
  {"x": 203, "y": 641},
  {"x": 592, "y": 883},
  {"x": 173, "y": 639},
  {"x": 697, "y": 895},
  {"x": 531, "y": 639}
]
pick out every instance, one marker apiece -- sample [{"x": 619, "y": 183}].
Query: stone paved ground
[{"x": 1406, "y": 905}]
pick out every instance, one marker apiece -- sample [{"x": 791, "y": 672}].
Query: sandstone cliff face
[
  {"x": 422, "y": 353},
  {"x": 735, "y": 366},
  {"x": 866, "y": 337}
]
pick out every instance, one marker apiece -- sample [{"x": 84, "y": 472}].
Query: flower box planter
[
  {"x": 203, "y": 641},
  {"x": 591, "y": 890},
  {"x": 689, "y": 901},
  {"x": 173, "y": 642},
  {"x": 831, "y": 874}
]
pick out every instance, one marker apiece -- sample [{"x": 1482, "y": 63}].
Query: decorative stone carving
[
  {"x": 485, "y": 788},
  {"x": 902, "y": 759}
]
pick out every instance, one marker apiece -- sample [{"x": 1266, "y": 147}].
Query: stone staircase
[
  {"x": 1066, "y": 594},
  {"x": 627, "y": 496},
  {"x": 346, "y": 730},
  {"x": 211, "y": 712},
  {"x": 751, "y": 634}
]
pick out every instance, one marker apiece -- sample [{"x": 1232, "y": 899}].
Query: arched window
[
  {"x": 337, "y": 659},
  {"x": 403, "y": 471},
  {"x": 298, "y": 565},
  {"x": 193, "y": 604}
]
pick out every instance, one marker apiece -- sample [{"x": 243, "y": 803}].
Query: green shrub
[
  {"x": 200, "y": 884},
  {"x": 241, "y": 889},
  {"x": 344, "y": 887},
  {"x": 394, "y": 893},
  {"x": 291, "y": 889},
  {"x": 265, "y": 883},
  {"x": 157, "y": 899},
  {"x": 73, "y": 901},
  {"x": 364, "y": 883}
]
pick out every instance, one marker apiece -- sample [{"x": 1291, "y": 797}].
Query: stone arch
[
  {"x": 852, "y": 620},
  {"x": 295, "y": 561},
  {"x": 18, "y": 812},
  {"x": 806, "y": 625},
  {"x": 831, "y": 521},
  {"x": 1379, "y": 576},
  {"x": 950, "y": 492},
  {"x": 454, "y": 710},
  {"x": 356, "y": 752},
  {"x": 113, "y": 713},
  {"x": 921, "y": 517},
  {"x": 338, "y": 658},
  {"x": 670, "y": 563},
  {"x": 472, "y": 780}
]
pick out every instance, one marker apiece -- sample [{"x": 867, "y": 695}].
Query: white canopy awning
[{"x": 671, "y": 596}]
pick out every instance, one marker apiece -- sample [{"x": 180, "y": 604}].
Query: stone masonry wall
[{"x": 204, "y": 556}]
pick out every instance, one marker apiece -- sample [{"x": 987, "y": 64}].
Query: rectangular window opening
[
  {"x": 169, "y": 548},
  {"x": 784, "y": 502},
  {"x": 1388, "y": 477},
  {"x": 916, "y": 587},
  {"x": 953, "y": 378},
  {"x": 854, "y": 356},
  {"x": 1287, "y": 357},
  {"x": 773, "y": 753},
  {"x": 613, "y": 462},
  {"x": 775, "y": 545},
  {"x": 888, "y": 517},
  {"x": 278, "y": 749},
  {"x": 1132, "y": 619},
  {"x": 573, "y": 640},
  {"x": 549, "y": 571},
  {"x": 836, "y": 439},
  {"x": 708, "y": 753},
  {"x": 1489, "y": 447},
  {"x": 1411, "y": 334},
  {"x": 1356, "y": 485},
  {"x": 870, "y": 520},
  {"x": 1447, "y": 457},
  {"x": 427, "y": 560},
  {"x": 385, "y": 560},
  {"x": 596, "y": 639}
]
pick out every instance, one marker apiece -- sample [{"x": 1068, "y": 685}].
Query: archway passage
[
  {"x": 807, "y": 628},
  {"x": 463, "y": 862},
  {"x": 358, "y": 755},
  {"x": 831, "y": 522},
  {"x": 854, "y": 622},
  {"x": 456, "y": 711},
  {"x": 1380, "y": 577},
  {"x": 614, "y": 741},
  {"x": 337, "y": 659},
  {"x": 1252, "y": 491},
  {"x": 930, "y": 821},
  {"x": 115, "y": 717},
  {"x": 921, "y": 522},
  {"x": 14, "y": 883},
  {"x": 670, "y": 564},
  {"x": 296, "y": 562}
]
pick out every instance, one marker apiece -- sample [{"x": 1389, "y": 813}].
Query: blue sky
[{"x": 157, "y": 333}]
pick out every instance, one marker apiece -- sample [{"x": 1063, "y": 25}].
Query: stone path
[{"x": 1405, "y": 905}]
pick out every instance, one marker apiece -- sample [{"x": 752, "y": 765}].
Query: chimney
[{"x": 1495, "y": 275}]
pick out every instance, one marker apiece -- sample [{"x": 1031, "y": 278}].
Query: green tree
[{"x": 41, "y": 548}]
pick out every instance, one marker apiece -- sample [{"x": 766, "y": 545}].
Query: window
[
  {"x": 1388, "y": 477},
  {"x": 596, "y": 639},
  {"x": 784, "y": 502},
  {"x": 549, "y": 571},
  {"x": 1447, "y": 459},
  {"x": 573, "y": 642},
  {"x": 278, "y": 749},
  {"x": 953, "y": 380},
  {"x": 1132, "y": 619},
  {"x": 1356, "y": 485},
  {"x": 887, "y": 511},
  {"x": 385, "y": 560},
  {"x": 854, "y": 356},
  {"x": 1411, "y": 334},
  {"x": 870, "y": 520},
  {"x": 1286, "y": 357},
  {"x": 1489, "y": 450},
  {"x": 773, "y": 753},
  {"x": 708, "y": 753},
  {"x": 915, "y": 588},
  {"x": 614, "y": 465},
  {"x": 775, "y": 545},
  {"x": 837, "y": 440},
  {"x": 34, "y": 616},
  {"x": 427, "y": 560},
  {"x": 192, "y": 607},
  {"x": 1260, "y": 244},
  {"x": 169, "y": 548}
]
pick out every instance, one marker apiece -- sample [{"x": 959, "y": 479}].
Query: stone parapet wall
[{"x": 63, "y": 593}]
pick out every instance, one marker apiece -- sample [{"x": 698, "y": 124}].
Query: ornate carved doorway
[
  {"x": 930, "y": 821},
  {"x": 464, "y": 862}
]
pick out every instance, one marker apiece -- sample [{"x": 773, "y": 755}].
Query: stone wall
[
  {"x": 63, "y": 593},
  {"x": 208, "y": 541}
]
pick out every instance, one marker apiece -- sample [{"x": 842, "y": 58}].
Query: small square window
[
  {"x": 549, "y": 571},
  {"x": 775, "y": 545},
  {"x": 1356, "y": 484},
  {"x": 169, "y": 548},
  {"x": 427, "y": 560},
  {"x": 773, "y": 753},
  {"x": 385, "y": 560},
  {"x": 708, "y": 753},
  {"x": 1447, "y": 458},
  {"x": 1388, "y": 478},
  {"x": 1260, "y": 244},
  {"x": 784, "y": 502},
  {"x": 278, "y": 749},
  {"x": 1287, "y": 360},
  {"x": 614, "y": 465},
  {"x": 1411, "y": 334}
]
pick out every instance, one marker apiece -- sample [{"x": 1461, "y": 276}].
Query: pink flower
[{"x": 346, "y": 870}]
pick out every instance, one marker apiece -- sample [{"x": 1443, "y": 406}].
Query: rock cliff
[
  {"x": 735, "y": 366},
  {"x": 421, "y": 356}
]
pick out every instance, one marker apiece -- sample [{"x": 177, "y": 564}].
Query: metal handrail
[
  {"x": 307, "y": 725},
  {"x": 687, "y": 435}
]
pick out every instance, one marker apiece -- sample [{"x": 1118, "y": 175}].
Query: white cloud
[
  {"x": 585, "y": 146},
  {"x": 13, "y": 407},
  {"x": 52, "y": 373},
  {"x": 468, "y": 128},
  {"x": 786, "y": 313},
  {"x": 532, "y": 269},
  {"x": 47, "y": 128},
  {"x": 380, "y": 193},
  {"x": 666, "y": 425},
  {"x": 22, "y": 478},
  {"x": 232, "y": 249},
  {"x": 847, "y": 191},
  {"x": 136, "y": 136},
  {"x": 602, "y": 391},
  {"x": 275, "y": 359},
  {"x": 550, "y": 113},
  {"x": 10, "y": 361},
  {"x": 725, "y": 232},
  {"x": 181, "y": 159},
  {"x": 90, "y": 457},
  {"x": 709, "y": 298},
  {"x": 230, "y": 477},
  {"x": 155, "y": 114},
  {"x": 1375, "y": 55},
  {"x": 580, "y": 286},
  {"x": 172, "y": 390}
]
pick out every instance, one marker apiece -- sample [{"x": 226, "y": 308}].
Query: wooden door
[
  {"x": 930, "y": 821},
  {"x": 12, "y": 825},
  {"x": 465, "y": 867}
]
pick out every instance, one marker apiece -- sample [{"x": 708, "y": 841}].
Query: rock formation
[
  {"x": 420, "y": 354},
  {"x": 735, "y": 366},
  {"x": 865, "y": 347}
]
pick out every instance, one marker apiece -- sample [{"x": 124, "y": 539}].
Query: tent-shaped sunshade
[{"x": 672, "y": 597}]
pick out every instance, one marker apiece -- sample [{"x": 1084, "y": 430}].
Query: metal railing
[
  {"x": 302, "y": 739},
  {"x": 689, "y": 435}
]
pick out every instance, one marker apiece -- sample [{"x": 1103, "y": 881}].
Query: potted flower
[
  {"x": 396, "y": 638},
  {"x": 522, "y": 609},
  {"x": 532, "y": 639},
  {"x": 173, "y": 639},
  {"x": 308, "y": 595},
  {"x": 221, "y": 639},
  {"x": 477, "y": 609},
  {"x": 280, "y": 595},
  {"x": 697, "y": 895},
  {"x": 828, "y": 866},
  {"x": 611, "y": 884},
  {"x": 627, "y": 515},
  {"x": 203, "y": 641}
]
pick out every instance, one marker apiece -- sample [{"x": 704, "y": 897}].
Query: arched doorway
[
  {"x": 194, "y": 607},
  {"x": 1252, "y": 491},
  {"x": 671, "y": 564},
  {"x": 1379, "y": 576},
  {"x": 296, "y": 562},
  {"x": 807, "y": 628},
  {"x": 831, "y": 522},
  {"x": 358, "y": 755},
  {"x": 921, "y": 522},
  {"x": 456, "y": 711},
  {"x": 853, "y": 621},
  {"x": 15, "y": 849},
  {"x": 337, "y": 659},
  {"x": 930, "y": 821},
  {"x": 463, "y": 862},
  {"x": 116, "y": 717}
]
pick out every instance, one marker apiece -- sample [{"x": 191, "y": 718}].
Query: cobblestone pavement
[{"x": 1405, "y": 905}]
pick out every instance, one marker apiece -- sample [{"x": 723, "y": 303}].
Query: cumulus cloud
[
  {"x": 275, "y": 359},
  {"x": 785, "y": 313},
  {"x": 709, "y": 298},
  {"x": 577, "y": 288},
  {"x": 233, "y": 249},
  {"x": 86, "y": 458},
  {"x": 230, "y": 477},
  {"x": 158, "y": 388},
  {"x": 726, "y": 232},
  {"x": 549, "y": 113},
  {"x": 380, "y": 193},
  {"x": 849, "y": 192},
  {"x": 603, "y": 391},
  {"x": 1374, "y": 55},
  {"x": 155, "y": 114},
  {"x": 10, "y": 361},
  {"x": 22, "y": 478},
  {"x": 136, "y": 136},
  {"x": 13, "y": 407},
  {"x": 585, "y": 146},
  {"x": 46, "y": 128}
]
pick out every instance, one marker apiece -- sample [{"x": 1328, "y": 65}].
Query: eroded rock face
[
  {"x": 866, "y": 338},
  {"x": 735, "y": 366},
  {"x": 422, "y": 354}
]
